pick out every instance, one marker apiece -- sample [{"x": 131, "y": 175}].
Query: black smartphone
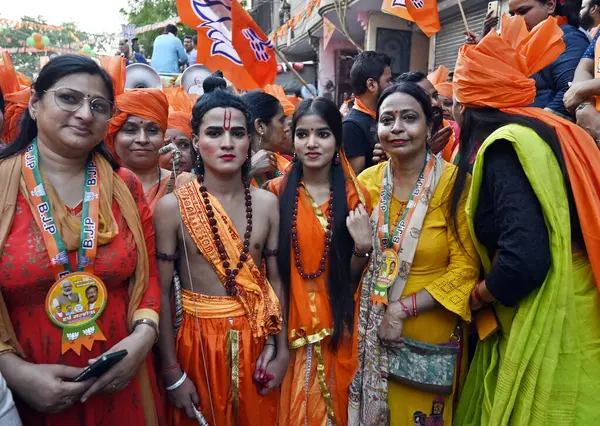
[{"x": 101, "y": 366}]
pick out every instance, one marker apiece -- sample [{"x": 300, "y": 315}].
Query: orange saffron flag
[
  {"x": 229, "y": 40},
  {"x": 396, "y": 8},
  {"x": 424, "y": 13}
]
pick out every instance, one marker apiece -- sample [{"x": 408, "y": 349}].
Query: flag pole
[
  {"x": 464, "y": 17},
  {"x": 293, "y": 70}
]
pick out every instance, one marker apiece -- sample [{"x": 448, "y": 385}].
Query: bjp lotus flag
[
  {"x": 424, "y": 13},
  {"x": 229, "y": 40},
  {"x": 396, "y": 8}
]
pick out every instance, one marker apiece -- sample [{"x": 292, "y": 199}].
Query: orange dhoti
[{"x": 230, "y": 354}]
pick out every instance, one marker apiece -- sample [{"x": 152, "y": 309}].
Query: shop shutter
[{"x": 451, "y": 35}]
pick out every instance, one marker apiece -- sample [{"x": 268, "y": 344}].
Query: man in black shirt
[{"x": 370, "y": 75}]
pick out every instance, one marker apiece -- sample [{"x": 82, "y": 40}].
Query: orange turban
[
  {"x": 439, "y": 76},
  {"x": 16, "y": 98},
  {"x": 181, "y": 105},
  {"x": 495, "y": 73},
  {"x": 439, "y": 79},
  {"x": 278, "y": 92},
  {"x": 149, "y": 104}
]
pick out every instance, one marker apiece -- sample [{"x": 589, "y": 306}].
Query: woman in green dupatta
[{"x": 539, "y": 356}]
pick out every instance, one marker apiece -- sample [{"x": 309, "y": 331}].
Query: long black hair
[
  {"x": 219, "y": 98},
  {"x": 339, "y": 282},
  {"x": 262, "y": 106},
  {"x": 55, "y": 70},
  {"x": 478, "y": 124}
]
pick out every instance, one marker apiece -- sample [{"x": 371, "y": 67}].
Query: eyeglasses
[{"x": 71, "y": 100}]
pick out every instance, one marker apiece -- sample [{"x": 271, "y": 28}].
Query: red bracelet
[
  {"x": 405, "y": 308},
  {"x": 414, "y": 300},
  {"x": 171, "y": 367},
  {"x": 477, "y": 294}
]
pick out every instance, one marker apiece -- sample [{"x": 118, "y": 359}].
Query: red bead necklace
[
  {"x": 328, "y": 236},
  {"x": 230, "y": 284}
]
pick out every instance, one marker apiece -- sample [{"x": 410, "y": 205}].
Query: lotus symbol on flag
[
  {"x": 216, "y": 15},
  {"x": 418, "y": 3},
  {"x": 258, "y": 45}
]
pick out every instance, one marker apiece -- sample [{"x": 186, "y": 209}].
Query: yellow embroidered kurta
[{"x": 448, "y": 268}]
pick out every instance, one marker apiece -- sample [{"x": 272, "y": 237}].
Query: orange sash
[
  {"x": 360, "y": 106},
  {"x": 255, "y": 293}
]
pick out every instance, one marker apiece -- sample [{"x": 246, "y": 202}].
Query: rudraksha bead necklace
[
  {"x": 230, "y": 284},
  {"x": 328, "y": 236}
]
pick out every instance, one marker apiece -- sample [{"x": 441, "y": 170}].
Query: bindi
[
  {"x": 396, "y": 113},
  {"x": 227, "y": 119}
]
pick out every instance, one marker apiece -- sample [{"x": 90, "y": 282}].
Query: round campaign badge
[
  {"x": 386, "y": 276},
  {"x": 74, "y": 303}
]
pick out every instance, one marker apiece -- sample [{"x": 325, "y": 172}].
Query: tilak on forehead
[{"x": 227, "y": 119}]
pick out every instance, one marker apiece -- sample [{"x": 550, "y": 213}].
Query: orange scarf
[
  {"x": 495, "y": 73},
  {"x": 359, "y": 105},
  {"x": 255, "y": 293}
]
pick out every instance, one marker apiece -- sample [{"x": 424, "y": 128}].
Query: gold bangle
[{"x": 150, "y": 323}]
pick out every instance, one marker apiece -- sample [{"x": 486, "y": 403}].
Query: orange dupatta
[{"x": 495, "y": 73}]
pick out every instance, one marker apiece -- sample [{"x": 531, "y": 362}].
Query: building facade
[{"x": 298, "y": 32}]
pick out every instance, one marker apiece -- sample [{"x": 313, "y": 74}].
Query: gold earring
[{"x": 260, "y": 141}]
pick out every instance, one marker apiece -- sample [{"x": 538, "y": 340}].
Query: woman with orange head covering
[
  {"x": 534, "y": 213},
  {"x": 135, "y": 135},
  {"x": 179, "y": 130}
]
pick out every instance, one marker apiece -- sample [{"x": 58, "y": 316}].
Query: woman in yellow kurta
[{"x": 431, "y": 268}]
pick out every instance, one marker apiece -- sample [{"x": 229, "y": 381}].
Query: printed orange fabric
[
  {"x": 495, "y": 73},
  {"x": 25, "y": 277},
  {"x": 310, "y": 321},
  {"x": 149, "y": 104},
  {"x": 253, "y": 290},
  {"x": 216, "y": 318}
]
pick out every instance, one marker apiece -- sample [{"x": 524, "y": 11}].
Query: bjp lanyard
[
  {"x": 385, "y": 198},
  {"x": 56, "y": 247}
]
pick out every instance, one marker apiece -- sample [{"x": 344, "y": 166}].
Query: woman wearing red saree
[{"x": 60, "y": 147}]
